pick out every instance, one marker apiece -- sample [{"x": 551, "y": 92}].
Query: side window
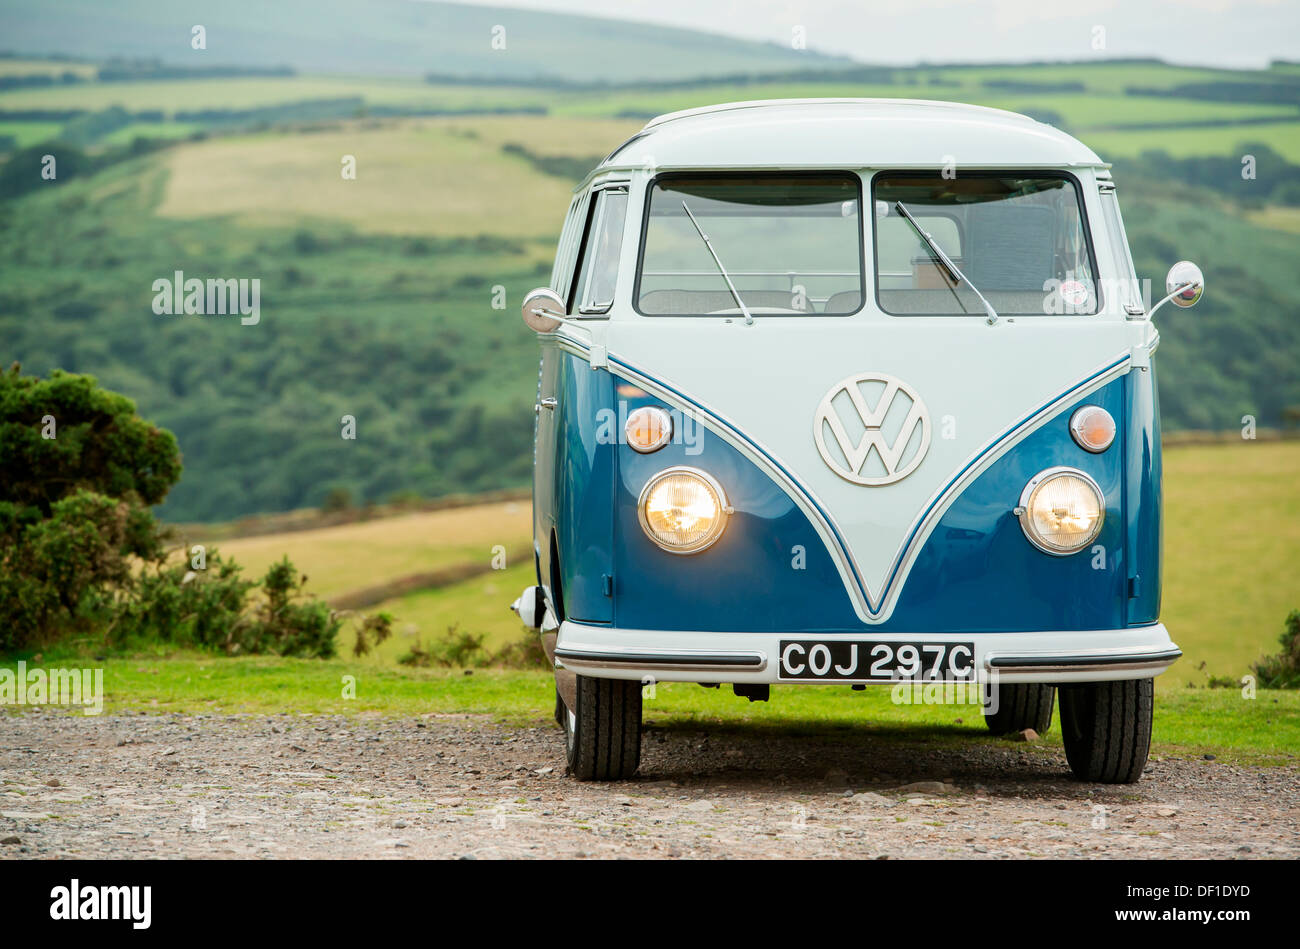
[
  {"x": 593, "y": 290},
  {"x": 1128, "y": 289},
  {"x": 562, "y": 272}
]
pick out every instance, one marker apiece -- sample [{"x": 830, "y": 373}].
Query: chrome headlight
[
  {"x": 683, "y": 510},
  {"x": 1061, "y": 510}
]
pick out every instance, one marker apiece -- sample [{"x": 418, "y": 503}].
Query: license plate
[{"x": 864, "y": 660}]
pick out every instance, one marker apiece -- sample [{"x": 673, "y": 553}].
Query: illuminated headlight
[
  {"x": 1061, "y": 510},
  {"x": 648, "y": 429},
  {"x": 1093, "y": 428},
  {"x": 683, "y": 510}
]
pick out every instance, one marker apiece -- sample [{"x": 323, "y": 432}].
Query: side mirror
[
  {"x": 1185, "y": 282},
  {"x": 1184, "y": 285},
  {"x": 543, "y": 310}
]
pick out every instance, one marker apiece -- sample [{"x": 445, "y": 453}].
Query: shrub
[
  {"x": 204, "y": 608},
  {"x": 526, "y": 652},
  {"x": 455, "y": 647},
  {"x": 64, "y": 433},
  {"x": 337, "y": 500},
  {"x": 374, "y": 629},
  {"x": 286, "y": 623},
  {"x": 80, "y": 549},
  {"x": 49, "y": 566},
  {"x": 1282, "y": 671}
]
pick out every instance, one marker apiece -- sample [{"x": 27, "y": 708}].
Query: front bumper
[{"x": 1138, "y": 652}]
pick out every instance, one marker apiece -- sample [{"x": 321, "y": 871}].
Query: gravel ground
[{"x": 460, "y": 786}]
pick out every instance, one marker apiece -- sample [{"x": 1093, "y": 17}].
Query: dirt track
[{"x": 459, "y": 786}]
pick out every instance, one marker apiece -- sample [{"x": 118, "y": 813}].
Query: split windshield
[
  {"x": 1020, "y": 240},
  {"x": 791, "y": 244}
]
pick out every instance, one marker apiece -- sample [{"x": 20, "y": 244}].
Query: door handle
[{"x": 548, "y": 403}]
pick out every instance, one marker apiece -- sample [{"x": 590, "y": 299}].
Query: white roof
[{"x": 850, "y": 133}]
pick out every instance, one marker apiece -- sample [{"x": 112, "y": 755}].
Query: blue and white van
[{"x": 850, "y": 391}]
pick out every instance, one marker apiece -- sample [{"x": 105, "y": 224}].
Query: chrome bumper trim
[
  {"x": 656, "y": 659},
  {"x": 1084, "y": 663}
]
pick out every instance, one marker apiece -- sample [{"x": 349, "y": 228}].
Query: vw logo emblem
[{"x": 878, "y": 429}]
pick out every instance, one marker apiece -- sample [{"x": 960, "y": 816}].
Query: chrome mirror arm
[
  {"x": 1177, "y": 290},
  {"x": 566, "y": 320}
]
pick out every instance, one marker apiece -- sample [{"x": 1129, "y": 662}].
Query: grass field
[
  {"x": 357, "y": 556},
  {"x": 1282, "y": 137},
  {"x": 1232, "y": 553},
  {"x": 415, "y": 177},
  {"x": 45, "y": 67},
  {"x": 1265, "y": 730},
  {"x": 177, "y": 95},
  {"x": 1080, "y": 111},
  {"x": 1277, "y": 218},
  {"x": 128, "y": 133},
  {"x": 479, "y": 606},
  {"x": 30, "y": 133}
]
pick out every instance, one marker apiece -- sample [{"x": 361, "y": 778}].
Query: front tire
[
  {"x": 1106, "y": 728},
  {"x": 1022, "y": 705},
  {"x": 603, "y": 734}
]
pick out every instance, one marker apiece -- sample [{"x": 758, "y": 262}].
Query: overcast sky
[{"x": 1240, "y": 33}]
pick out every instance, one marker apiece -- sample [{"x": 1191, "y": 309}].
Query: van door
[{"x": 578, "y": 411}]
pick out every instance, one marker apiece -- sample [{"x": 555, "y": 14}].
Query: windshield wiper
[
  {"x": 721, "y": 269},
  {"x": 953, "y": 271}
]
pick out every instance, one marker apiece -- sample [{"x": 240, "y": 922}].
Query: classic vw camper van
[{"x": 854, "y": 392}]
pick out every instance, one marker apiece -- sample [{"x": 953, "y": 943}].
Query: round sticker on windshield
[{"x": 1074, "y": 293}]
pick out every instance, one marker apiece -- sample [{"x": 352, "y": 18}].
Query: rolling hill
[{"x": 387, "y": 37}]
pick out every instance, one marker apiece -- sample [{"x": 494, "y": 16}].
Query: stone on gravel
[
  {"x": 872, "y": 798},
  {"x": 923, "y": 787},
  {"x": 1027, "y": 734}
]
